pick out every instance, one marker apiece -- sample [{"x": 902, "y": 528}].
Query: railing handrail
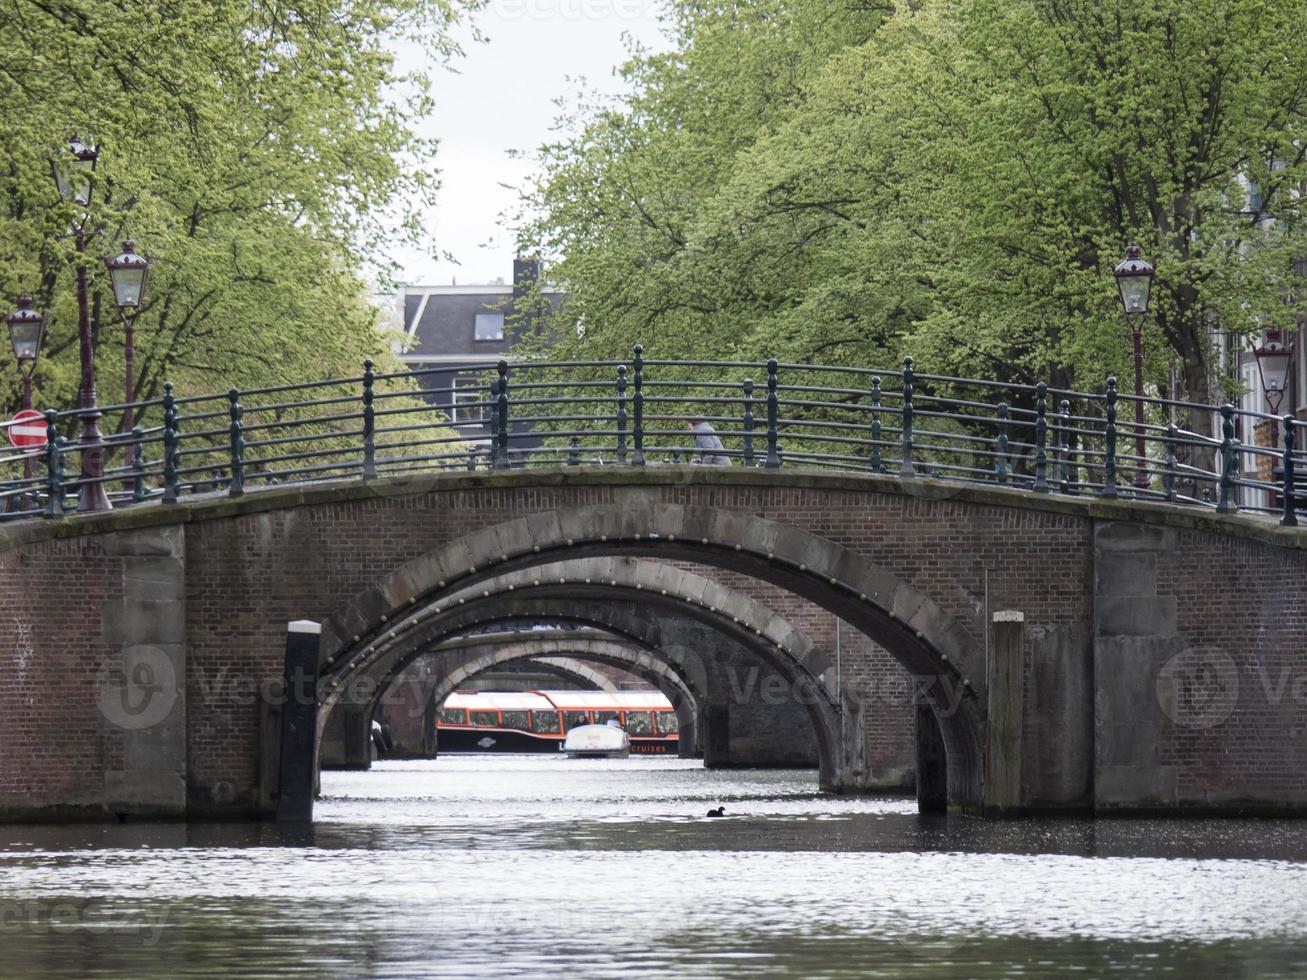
[{"x": 845, "y": 418}]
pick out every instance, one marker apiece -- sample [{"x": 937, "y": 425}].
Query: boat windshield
[
  {"x": 453, "y": 716},
  {"x": 575, "y": 719},
  {"x": 667, "y": 723}
]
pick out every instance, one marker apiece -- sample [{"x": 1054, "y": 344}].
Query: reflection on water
[{"x": 541, "y": 866}]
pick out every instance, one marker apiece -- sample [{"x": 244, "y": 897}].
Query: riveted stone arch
[
  {"x": 778, "y": 644},
  {"x": 901, "y": 619},
  {"x": 632, "y": 622},
  {"x": 636, "y": 624},
  {"x": 638, "y": 661},
  {"x": 575, "y": 668},
  {"x": 625, "y": 653},
  {"x": 607, "y": 651},
  {"x": 638, "y": 633}
]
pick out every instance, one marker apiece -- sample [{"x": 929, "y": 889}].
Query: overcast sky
[{"x": 501, "y": 99}]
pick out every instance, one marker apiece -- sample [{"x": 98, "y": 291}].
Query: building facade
[{"x": 456, "y": 334}]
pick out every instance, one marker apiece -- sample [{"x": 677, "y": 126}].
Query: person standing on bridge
[{"x": 711, "y": 450}]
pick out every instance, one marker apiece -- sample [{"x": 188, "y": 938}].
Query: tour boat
[
  {"x": 539, "y": 721},
  {"x": 597, "y": 742}
]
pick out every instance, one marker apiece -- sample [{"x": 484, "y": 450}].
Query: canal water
[{"x": 531, "y": 866}]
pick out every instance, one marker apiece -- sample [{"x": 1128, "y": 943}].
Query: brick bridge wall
[{"x": 1165, "y": 650}]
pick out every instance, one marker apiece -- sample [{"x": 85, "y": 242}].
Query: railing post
[
  {"x": 621, "y": 413},
  {"x": 574, "y": 451},
  {"x": 1225, "y": 503},
  {"x": 170, "y": 442},
  {"x": 369, "y": 423},
  {"x": 1041, "y": 437},
  {"x": 637, "y": 407},
  {"x": 1064, "y": 447},
  {"x": 1000, "y": 445},
  {"x": 138, "y": 465},
  {"x": 472, "y": 461},
  {"x": 905, "y": 463},
  {"x": 237, "y": 485},
  {"x": 1168, "y": 479},
  {"x": 54, "y": 466},
  {"x": 773, "y": 410},
  {"x": 1109, "y": 461},
  {"x": 499, "y": 458},
  {"x": 1290, "y": 518},
  {"x": 748, "y": 421},
  {"x": 877, "y": 465}
]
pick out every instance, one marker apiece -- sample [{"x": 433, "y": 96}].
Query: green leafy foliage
[
  {"x": 827, "y": 181},
  {"x": 260, "y": 150}
]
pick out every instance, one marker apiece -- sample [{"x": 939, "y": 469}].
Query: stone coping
[{"x": 219, "y": 506}]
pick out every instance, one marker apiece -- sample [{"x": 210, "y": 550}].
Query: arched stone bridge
[{"x": 1064, "y": 653}]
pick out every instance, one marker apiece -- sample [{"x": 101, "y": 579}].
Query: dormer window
[{"x": 490, "y": 326}]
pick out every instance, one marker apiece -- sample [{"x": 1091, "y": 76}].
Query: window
[
  {"x": 490, "y": 326},
  {"x": 667, "y": 723},
  {"x": 604, "y": 717},
  {"x": 469, "y": 398},
  {"x": 516, "y": 719},
  {"x": 545, "y": 722},
  {"x": 485, "y": 719},
  {"x": 639, "y": 722},
  {"x": 453, "y": 716},
  {"x": 575, "y": 719}
]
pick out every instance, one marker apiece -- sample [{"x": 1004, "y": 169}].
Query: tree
[
  {"x": 955, "y": 182},
  {"x": 252, "y": 147}
]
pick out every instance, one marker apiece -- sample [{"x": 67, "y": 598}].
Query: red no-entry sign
[{"x": 27, "y": 429}]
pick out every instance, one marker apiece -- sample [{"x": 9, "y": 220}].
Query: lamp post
[
  {"x": 74, "y": 176},
  {"x": 128, "y": 272},
  {"x": 26, "y": 328},
  {"x": 1274, "y": 356},
  {"x": 1134, "y": 280}
]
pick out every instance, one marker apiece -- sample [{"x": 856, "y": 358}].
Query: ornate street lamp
[
  {"x": 1134, "y": 280},
  {"x": 73, "y": 175},
  {"x": 26, "y": 328},
  {"x": 1274, "y": 357},
  {"x": 128, "y": 273}
]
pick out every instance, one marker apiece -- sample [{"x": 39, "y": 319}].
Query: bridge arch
[
  {"x": 569, "y": 654},
  {"x": 632, "y": 622},
  {"x": 558, "y": 587},
  {"x": 905, "y": 622}
]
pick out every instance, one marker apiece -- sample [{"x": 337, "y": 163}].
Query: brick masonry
[{"x": 1165, "y": 650}]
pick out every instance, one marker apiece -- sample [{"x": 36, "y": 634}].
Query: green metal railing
[{"x": 766, "y": 414}]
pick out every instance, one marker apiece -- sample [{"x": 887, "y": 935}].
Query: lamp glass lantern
[
  {"x": 128, "y": 272},
  {"x": 26, "y": 328},
  {"x": 73, "y": 172},
  {"x": 1274, "y": 356},
  {"x": 1134, "y": 279}
]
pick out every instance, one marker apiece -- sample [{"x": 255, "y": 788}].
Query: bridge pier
[
  {"x": 932, "y": 761},
  {"x": 347, "y": 738}
]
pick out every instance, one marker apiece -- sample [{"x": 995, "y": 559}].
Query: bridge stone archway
[
  {"x": 569, "y": 653},
  {"x": 564, "y": 589},
  {"x": 728, "y": 717},
  {"x": 898, "y": 617},
  {"x": 581, "y": 651}
]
